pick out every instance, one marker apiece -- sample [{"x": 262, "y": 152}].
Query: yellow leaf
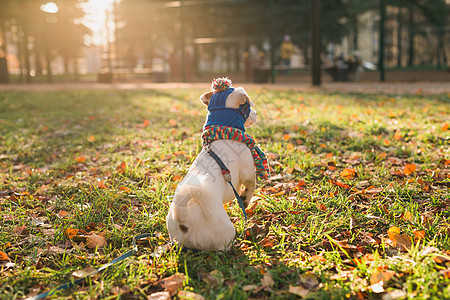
[
  {"x": 408, "y": 216},
  {"x": 392, "y": 232},
  {"x": 290, "y": 146}
]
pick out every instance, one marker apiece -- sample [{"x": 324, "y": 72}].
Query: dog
[{"x": 197, "y": 218}]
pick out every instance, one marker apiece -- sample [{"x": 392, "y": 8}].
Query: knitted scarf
[{"x": 219, "y": 132}]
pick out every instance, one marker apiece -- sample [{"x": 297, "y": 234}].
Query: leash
[
  {"x": 227, "y": 176},
  {"x": 75, "y": 282}
]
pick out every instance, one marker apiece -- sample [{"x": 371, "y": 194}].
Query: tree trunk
[
  {"x": 355, "y": 32},
  {"x": 411, "y": 38},
  {"x": 4, "y": 73},
  {"x": 399, "y": 38},
  {"x": 439, "y": 47},
  {"x": 27, "y": 56}
]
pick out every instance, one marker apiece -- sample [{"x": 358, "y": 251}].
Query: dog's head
[{"x": 231, "y": 106}]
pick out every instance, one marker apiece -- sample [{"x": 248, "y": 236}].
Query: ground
[{"x": 356, "y": 205}]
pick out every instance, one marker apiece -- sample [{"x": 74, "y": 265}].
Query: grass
[{"x": 357, "y": 205}]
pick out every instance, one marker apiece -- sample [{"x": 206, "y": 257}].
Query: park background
[
  {"x": 100, "y": 120},
  {"x": 192, "y": 41}
]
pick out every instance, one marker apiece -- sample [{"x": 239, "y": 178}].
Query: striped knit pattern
[{"x": 219, "y": 132}]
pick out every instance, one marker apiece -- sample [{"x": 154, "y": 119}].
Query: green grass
[{"x": 106, "y": 162}]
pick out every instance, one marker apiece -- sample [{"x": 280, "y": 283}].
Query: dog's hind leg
[{"x": 249, "y": 184}]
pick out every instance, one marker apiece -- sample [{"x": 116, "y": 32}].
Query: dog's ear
[
  {"x": 242, "y": 96},
  {"x": 206, "y": 97}
]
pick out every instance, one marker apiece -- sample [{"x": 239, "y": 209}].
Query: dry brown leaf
[
  {"x": 298, "y": 290},
  {"x": 267, "y": 281},
  {"x": 309, "y": 280},
  {"x": 187, "y": 295},
  {"x": 159, "y": 296},
  {"x": 19, "y": 230},
  {"x": 402, "y": 240},
  {"x": 174, "y": 283},
  {"x": 383, "y": 276},
  {"x": 94, "y": 241}
]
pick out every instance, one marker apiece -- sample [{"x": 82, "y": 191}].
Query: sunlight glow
[
  {"x": 99, "y": 18},
  {"x": 49, "y": 7}
]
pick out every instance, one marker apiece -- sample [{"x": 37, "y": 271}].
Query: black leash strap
[
  {"x": 75, "y": 282},
  {"x": 227, "y": 176}
]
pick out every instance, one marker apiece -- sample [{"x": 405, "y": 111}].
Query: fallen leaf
[
  {"x": 402, "y": 240},
  {"x": 444, "y": 127},
  {"x": 309, "y": 280},
  {"x": 80, "y": 159},
  {"x": 91, "y": 139},
  {"x": 63, "y": 214},
  {"x": 88, "y": 271},
  {"x": 420, "y": 234},
  {"x": 348, "y": 173},
  {"x": 383, "y": 277},
  {"x": 249, "y": 287},
  {"x": 19, "y": 230},
  {"x": 267, "y": 280},
  {"x": 218, "y": 276},
  {"x": 286, "y": 137},
  {"x": 159, "y": 296},
  {"x": 172, "y": 123},
  {"x": 3, "y": 256},
  {"x": 298, "y": 290},
  {"x": 409, "y": 169},
  {"x": 187, "y": 295},
  {"x": 94, "y": 241},
  {"x": 121, "y": 168},
  {"x": 101, "y": 184},
  {"x": 36, "y": 222},
  {"x": 395, "y": 294},
  {"x": 71, "y": 233},
  {"x": 174, "y": 283},
  {"x": 392, "y": 232},
  {"x": 408, "y": 216},
  {"x": 377, "y": 288}
]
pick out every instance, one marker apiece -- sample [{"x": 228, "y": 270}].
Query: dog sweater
[{"x": 220, "y": 132}]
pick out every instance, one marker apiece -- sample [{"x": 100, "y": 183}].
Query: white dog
[{"x": 197, "y": 218}]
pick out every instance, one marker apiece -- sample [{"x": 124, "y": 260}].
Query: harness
[{"x": 227, "y": 176}]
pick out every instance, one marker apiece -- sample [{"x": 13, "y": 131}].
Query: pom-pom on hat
[{"x": 220, "y": 84}]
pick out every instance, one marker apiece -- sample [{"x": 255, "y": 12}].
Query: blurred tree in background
[{"x": 189, "y": 31}]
